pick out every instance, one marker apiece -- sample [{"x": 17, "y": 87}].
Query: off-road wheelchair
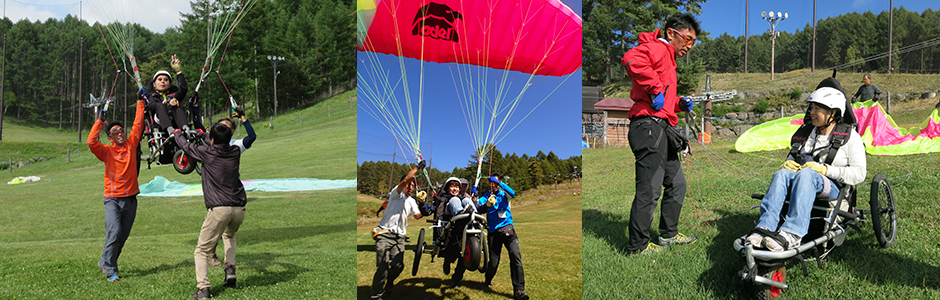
[
  {"x": 163, "y": 148},
  {"x": 466, "y": 230}
]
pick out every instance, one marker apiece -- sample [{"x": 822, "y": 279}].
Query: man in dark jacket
[
  {"x": 163, "y": 98},
  {"x": 652, "y": 67},
  {"x": 867, "y": 91},
  {"x": 225, "y": 199}
]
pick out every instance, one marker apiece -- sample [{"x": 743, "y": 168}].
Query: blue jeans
[
  {"x": 119, "y": 215},
  {"x": 803, "y": 186}
]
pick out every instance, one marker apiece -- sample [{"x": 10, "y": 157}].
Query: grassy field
[
  {"x": 293, "y": 245},
  {"x": 549, "y": 240},
  {"x": 718, "y": 210}
]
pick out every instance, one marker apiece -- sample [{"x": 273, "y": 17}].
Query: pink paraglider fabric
[{"x": 541, "y": 37}]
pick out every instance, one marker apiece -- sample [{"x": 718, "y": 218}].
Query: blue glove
[
  {"x": 194, "y": 99},
  {"x": 473, "y": 190},
  {"x": 142, "y": 94},
  {"x": 659, "y": 100},
  {"x": 686, "y": 103},
  {"x": 493, "y": 178}
]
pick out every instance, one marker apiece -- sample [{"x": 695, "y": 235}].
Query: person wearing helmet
[
  {"x": 162, "y": 97},
  {"x": 804, "y": 182},
  {"x": 454, "y": 205}
]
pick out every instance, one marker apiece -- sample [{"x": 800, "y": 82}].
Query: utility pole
[
  {"x": 81, "y": 43},
  {"x": 3, "y": 67},
  {"x": 747, "y": 12},
  {"x": 890, "y": 35},
  {"x": 773, "y": 34},
  {"x": 813, "y": 68}
]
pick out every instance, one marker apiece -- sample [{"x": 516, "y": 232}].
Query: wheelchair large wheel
[
  {"x": 767, "y": 292},
  {"x": 183, "y": 163},
  {"x": 884, "y": 216},
  {"x": 472, "y": 253},
  {"x": 419, "y": 250}
]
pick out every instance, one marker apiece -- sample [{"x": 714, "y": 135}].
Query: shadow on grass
[
  {"x": 270, "y": 269},
  {"x": 427, "y": 288},
  {"x": 864, "y": 257},
  {"x": 610, "y": 227},
  {"x": 278, "y": 234},
  {"x": 722, "y": 278},
  {"x": 409, "y": 247},
  {"x": 187, "y": 264}
]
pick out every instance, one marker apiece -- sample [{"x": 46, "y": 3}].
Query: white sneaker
[
  {"x": 755, "y": 239},
  {"x": 792, "y": 241}
]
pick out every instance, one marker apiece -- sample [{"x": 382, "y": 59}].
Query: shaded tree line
[
  {"x": 314, "y": 37},
  {"x": 520, "y": 172}
]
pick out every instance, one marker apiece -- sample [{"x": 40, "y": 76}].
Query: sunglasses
[
  {"x": 689, "y": 41},
  {"x": 113, "y": 132}
]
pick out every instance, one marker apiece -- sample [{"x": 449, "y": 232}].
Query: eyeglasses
[
  {"x": 689, "y": 41},
  {"x": 113, "y": 132}
]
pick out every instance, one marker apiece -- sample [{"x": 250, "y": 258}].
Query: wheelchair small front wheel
[
  {"x": 183, "y": 163},
  {"x": 884, "y": 216},
  {"x": 419, "y": 250},
  {"x": 764, "y": 291}
]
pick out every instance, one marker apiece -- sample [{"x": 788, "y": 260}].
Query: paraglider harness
[{"x": 840, "y": 135}]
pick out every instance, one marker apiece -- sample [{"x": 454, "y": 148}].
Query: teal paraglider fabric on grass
[{"x": 161, "y": 187}]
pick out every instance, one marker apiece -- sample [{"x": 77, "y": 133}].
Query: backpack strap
[{"x": 797, "y": 140}]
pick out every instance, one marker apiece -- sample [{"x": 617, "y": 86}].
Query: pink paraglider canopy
[{"x": 541, "y": 37}]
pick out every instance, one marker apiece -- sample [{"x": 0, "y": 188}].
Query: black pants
[
  {"x": 506, "y": 236},
  {"x": 164, "y": 113},
  {"x": 657, "y": 173}
]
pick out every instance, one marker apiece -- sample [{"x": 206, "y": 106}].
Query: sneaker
[
  {"x": 679, "y": 239},
  {"x": 201, "y": 294},
  {"x": 651, "y": 248},
  {"x": 755, "y": 239},
  {"x": 792, "y": 241},
  {"x": 521, "y": 295},
  {"x": 113, "y": 278},
  {"x": 229, "y": 276},
  {"x": 214, "y": 260}
]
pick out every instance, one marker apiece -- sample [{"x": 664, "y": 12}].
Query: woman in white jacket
[{"x": 804, "y": 182}]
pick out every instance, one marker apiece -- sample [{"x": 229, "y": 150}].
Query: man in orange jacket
[{"x": 120, "y": 184}]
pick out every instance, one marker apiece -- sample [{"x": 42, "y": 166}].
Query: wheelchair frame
[
  {"x": 767, "y": 269},
  {"x": 476, "y": 226}
]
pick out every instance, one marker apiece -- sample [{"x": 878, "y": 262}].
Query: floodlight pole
[
  {"x": 274, "y": 60},
  {"x": 747, "y": 10},
  {"x": 773, "y": 19}
]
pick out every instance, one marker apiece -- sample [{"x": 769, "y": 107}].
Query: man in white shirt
[{"x": 389, "y": 236}]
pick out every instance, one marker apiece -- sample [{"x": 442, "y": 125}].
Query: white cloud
[
  {"x": 857, "y": 4},
  {"x": 156, "y": 16}
]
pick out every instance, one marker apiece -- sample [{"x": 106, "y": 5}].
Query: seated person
[
  {"x": 454, "y": 206},
  {"x": 807, "y": 176},
  {"x": 163, "y": 98}
]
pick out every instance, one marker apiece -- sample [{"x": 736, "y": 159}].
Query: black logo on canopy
[{"x": 436, "y": 21}]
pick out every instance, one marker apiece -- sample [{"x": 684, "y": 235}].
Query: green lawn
[
  {"x": 292, "y": 245},
  {"x": 549, "y": 240},
  {"x": 718, "y": 210}
]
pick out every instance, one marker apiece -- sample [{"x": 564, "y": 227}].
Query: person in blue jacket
[{"x": 502, "y": 233}]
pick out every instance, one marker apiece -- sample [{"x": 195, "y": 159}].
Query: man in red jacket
[{"x": 652, "y": 67}]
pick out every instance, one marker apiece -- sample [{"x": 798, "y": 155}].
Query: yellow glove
[
  {"x": 421, "y": 196},
  {"x": 790, "y": 165},
  {"x": 491, "y": 201},
  {"x": 818, "y": 167},
  {"x": 175, "y": 64}
]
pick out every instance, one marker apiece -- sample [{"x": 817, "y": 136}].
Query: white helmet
[
  {"x": 829, "y": 97},
  {"x": 162, "y": 72},
  {"x": 449, "y": 180}
]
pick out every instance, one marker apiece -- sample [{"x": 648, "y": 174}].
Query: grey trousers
[
  {"x": 389, "y": 262},
  {"x": 119, "y": 214}
]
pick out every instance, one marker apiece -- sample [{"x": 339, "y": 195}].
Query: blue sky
[
  {"x": 719, "y": 16},
  {"x": 154, "y": 15},
  {"x": 554, "y": 126}
]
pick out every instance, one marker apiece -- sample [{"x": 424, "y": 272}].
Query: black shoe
[
  {"x": 201, "y": 294},
  {"x": 446, "y": 268},
  {"x": 521, "y": 295},
  {"x": 455, "y": 284},
  {"x": 229, "y": 276}
]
